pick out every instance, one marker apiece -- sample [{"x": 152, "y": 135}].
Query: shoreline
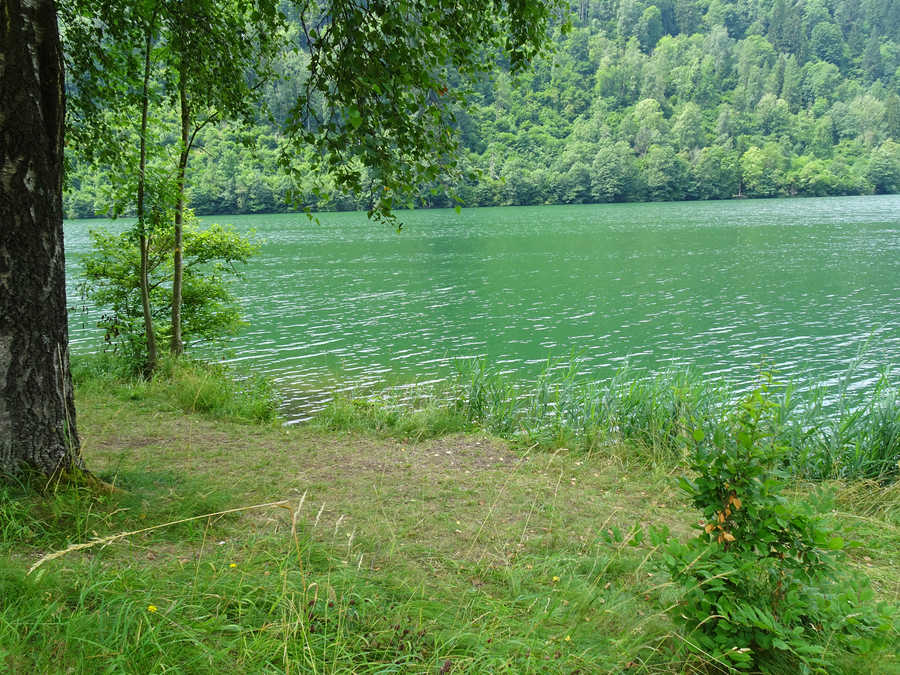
[{"x": 394, "y": 552}]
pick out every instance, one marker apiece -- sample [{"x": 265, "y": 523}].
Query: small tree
[
  {"x": 112, "y": 273},
  {"x": 97, "y": 121},
  {"x": 215, "y": 71}
]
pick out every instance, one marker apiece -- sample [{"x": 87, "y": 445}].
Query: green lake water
[{"x": 802, "y": 286}]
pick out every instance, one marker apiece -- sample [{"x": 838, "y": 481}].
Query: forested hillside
[{"x": 641, "y": 100}]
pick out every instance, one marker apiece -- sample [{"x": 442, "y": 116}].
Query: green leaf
[
  {"x": 687, "y": 485},
  {"x": 835, "y": 543},
  {"x": 354, "y": 117},
  {"x": 637, "y": 536}
]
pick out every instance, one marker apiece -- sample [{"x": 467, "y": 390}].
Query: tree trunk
[
  {"x": 142, "y": 221},
  {"x": 37, "y": 413},
  {"x": 177, "y": 346}
]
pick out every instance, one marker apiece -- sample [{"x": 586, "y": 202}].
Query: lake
[{"x": 803, "y": 286}]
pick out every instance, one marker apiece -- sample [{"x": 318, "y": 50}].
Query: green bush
[
  {"x": 209, "y": 310},
  {"x": 763, "y": 581}
]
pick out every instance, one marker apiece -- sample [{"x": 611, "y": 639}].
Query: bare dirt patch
[{"x": 461, "y": 497}]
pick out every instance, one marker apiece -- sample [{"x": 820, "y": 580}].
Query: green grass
[
  {"x": 211, "y": 389},
  {"x": 410, "y": 550},
  {"x": 832, "y": 433},
  {"x": 429, "y": 418}
]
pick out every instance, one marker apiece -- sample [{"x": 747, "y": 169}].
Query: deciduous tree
[
  {"x": 37, "y": 414},
  {"x": 388, "y": 72}
]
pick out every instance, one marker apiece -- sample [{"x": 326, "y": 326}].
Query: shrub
[
  {"x": 209, "y": 310},
  {"x": 763, "y": 579}
]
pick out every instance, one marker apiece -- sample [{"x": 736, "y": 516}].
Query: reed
[{"x": 832, "y": 432}]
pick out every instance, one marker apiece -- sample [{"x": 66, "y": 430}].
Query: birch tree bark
[{"x": 37, "y": 413}]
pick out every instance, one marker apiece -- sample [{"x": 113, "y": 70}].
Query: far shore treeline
[{"x": 641, "y": 100}]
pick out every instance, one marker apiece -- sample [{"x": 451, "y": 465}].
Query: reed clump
[{"x": 831, "y": 432}]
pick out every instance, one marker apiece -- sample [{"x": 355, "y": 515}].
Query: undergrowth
[
  {"x": 211, "y": 389},
  {"x": 830, "y": 433}
]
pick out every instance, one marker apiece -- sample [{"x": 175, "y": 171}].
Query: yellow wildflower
[
  {"x": 151, "y": 608},
  {"x": 233, "y": 565}
]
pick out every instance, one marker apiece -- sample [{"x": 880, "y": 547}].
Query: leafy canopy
[
  {"x": 386, "y": 79},
  {"x": 383, "y": 82}
]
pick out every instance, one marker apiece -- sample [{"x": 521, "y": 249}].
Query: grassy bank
[
  {"x": 421, "y": 550},
  {"x": 208, "y": 389},
  {"x": 831, "y": 432}
]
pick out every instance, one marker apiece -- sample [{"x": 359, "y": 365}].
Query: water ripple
[{"x": 723, "y": 287}]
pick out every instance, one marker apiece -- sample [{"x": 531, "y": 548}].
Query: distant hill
[{"x": 665, "y": 100}]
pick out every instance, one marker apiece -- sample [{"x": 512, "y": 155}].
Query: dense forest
[{"x": 640, "y": 100}]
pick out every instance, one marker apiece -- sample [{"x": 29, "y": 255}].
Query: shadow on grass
[{"x": 34, "y": 519}]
